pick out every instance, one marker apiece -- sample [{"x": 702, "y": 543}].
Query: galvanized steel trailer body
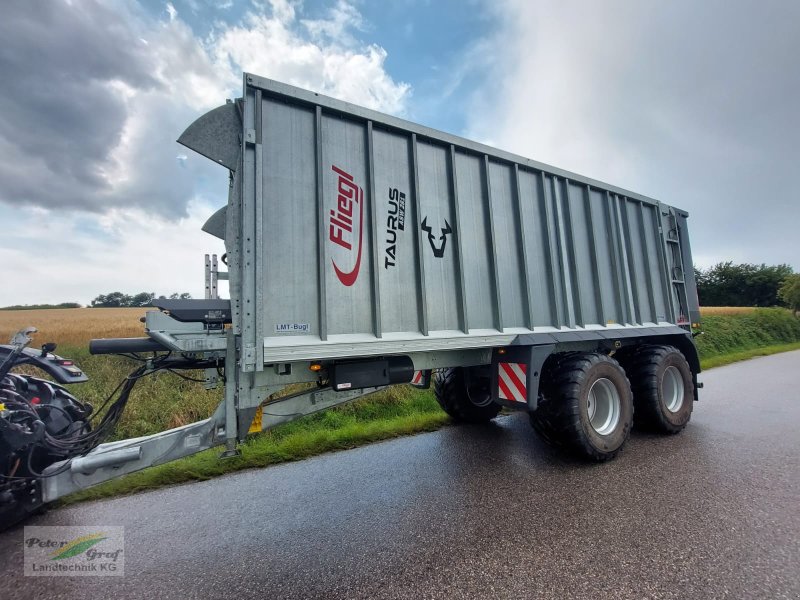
[
  {"x": 488, "y": 245},
  {"x": 352, "y": 235}
]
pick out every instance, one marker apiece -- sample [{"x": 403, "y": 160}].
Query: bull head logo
[{"x": 437, "y": 252}]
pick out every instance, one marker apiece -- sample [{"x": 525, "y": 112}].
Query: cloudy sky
[{"x": 694, "y": 103}]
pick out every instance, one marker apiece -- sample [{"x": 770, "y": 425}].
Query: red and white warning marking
[
  {"x": 512, "y": 381},
  {"x": 421, "y": 379}
]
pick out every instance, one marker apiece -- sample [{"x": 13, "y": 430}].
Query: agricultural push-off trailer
[{"x": 365, "y": 251}]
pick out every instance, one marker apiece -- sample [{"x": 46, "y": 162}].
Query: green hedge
[{"x": 724, "y": 334}]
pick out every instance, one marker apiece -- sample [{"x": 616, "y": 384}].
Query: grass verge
[
  {"x": 396, "y": 412},
  {"x": 726, "y": 359}
]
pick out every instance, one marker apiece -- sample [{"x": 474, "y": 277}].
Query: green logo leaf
[{"x": 78, "y": 546}]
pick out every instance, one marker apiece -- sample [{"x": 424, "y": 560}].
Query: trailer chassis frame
[{"x": 253, "y": 400}]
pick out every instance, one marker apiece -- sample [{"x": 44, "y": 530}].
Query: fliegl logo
[{"x": 344, "y": 229}]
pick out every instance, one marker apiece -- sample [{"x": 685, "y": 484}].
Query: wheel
[
  {"x": 586, "y": 405},
  {"x": 663, "y": 388},
  {"x": 465, "y": 396}
]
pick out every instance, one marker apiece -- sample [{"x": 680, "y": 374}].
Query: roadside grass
[
  {"x": 398, "y": 411},
  {"x": 165, "y": 401},
  {"x": 726, "y": 359}
]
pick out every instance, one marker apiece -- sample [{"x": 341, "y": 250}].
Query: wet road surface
[{"x": 480, "y": 512}]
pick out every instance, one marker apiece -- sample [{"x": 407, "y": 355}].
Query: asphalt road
[{"x": 480, "y": 512}]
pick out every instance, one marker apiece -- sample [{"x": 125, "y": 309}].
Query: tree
[
  {"x": 141, "y": 299},
  {"x": 729, "y": 284},
  {"x": 113, "y": 299},
  {"x": 41, "y": 306},
  {"x": 790, "y": 292}
]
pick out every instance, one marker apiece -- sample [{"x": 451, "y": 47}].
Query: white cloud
[
  {"x": 680, "y": 101},
  {"x": 144, "y": 233},
  {"x": 59, "y": 257},
  {"x": 342, "y": 18},
  {"x": 552, "y": 96},
  {"x": 329, "y": 61}
]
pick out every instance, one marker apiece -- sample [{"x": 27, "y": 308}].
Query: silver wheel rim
[
  {"x": 672, "y": 389},
  {"x": 604, "y": 406},
  {"x": 484, "y": 399},
  {"x": 474, "y": 392}
]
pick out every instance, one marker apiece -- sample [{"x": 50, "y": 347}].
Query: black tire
[
  {"x": 570, "y": 382},
  {"x": 663, "y": 388},
  {"x": 464, "y": 403}
]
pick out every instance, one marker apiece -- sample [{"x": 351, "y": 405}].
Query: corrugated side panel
[{"x": 373, "y": 236}]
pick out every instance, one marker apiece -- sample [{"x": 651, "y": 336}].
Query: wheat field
[
  {"x": 73, "y": 327},
  {"x": 708, "y": 311}
]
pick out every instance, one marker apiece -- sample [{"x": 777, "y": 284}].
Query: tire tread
[
  {"x": 449, "y": 387},
  {"x": 558, "y": 416},
  {"x": 642, "y": 367}
]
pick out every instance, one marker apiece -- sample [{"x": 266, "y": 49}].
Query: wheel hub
[
  {"x": 604, "y": 406},
  {"x": 672, "y": 390}
]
